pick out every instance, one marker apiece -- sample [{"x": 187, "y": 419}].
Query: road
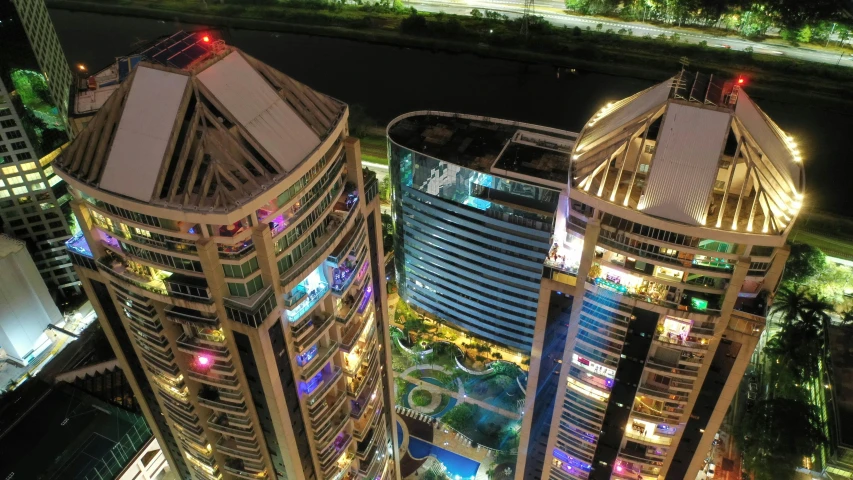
[{"x": 554, "y": 12}]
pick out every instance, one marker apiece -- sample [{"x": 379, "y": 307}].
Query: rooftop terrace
[{"x": 488, "y": 145}]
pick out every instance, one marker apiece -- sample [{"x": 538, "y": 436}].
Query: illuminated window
[
  {"x": 32, "y": 177},
  {"x": 15, "y": 180},
  {"x": 37, "y": 186},
  {"x": 54, "y": 180},
  {"x": 28, "y": 166},
  {"x": 19, "y": 190},
  {"x": 2, "y": 184},
  {"x": 4, "y": 193},
  {"x": 10, "y": 170},
  {"x": 48, "y": 171}
]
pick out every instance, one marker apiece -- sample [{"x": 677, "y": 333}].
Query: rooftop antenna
[
  {"x": 685, "y": 62},
  {"x": 529, "y": 10}
]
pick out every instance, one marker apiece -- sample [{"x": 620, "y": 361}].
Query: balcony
[
  {"x": 308, "y": 332},
  {"x": 374, "y": 438},
  {"x": 330, "y": 452},
  {"x": 189, "y": 288},
  {"x": 352, "y": 332},
  {"x": 360, "y": 383},
  {"x": 690, "y": 345},
  {"x": 340, "y": 467},
  {"x": 327, "y": 433},
  {"x": 214, "y": 380},
  {"x": 342, "y": 222},
  {"x": 648, "y": 439},
  {"x": 219, "y": 422},
  {"x": 322, "y": 415},
  {"x": 352, "y": 241},
  {"x": 672, "y": 369},
  {"x": 199, "y": 346},
  {"x": 363, "y": 427},
  {"x": 167, "y": 368},
  {"x": 248, "y": 451},
  {"x": 217, "y": 404},
  {"x": 320, "y": 359},
  {"x": 190, "y": 317},
  {"x": 365, "y": 348},
  {"x": 204, "y": 472},
  {"x": 669, "y": 415},
  {"x": 306, "y": 303},
  {"x": 116, "y": 267},
  {"x": 238, "y": 468},
  {"x": 314, "y": 391},
  {"x": 661, "y": 392}
]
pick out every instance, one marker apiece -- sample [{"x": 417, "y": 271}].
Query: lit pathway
[{"x": 460, "y": 396}]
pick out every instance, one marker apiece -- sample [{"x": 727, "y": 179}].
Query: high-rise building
[
  {"x": 474, "y": 203},
  {"x": 231, "y": 248},
  {"x": 670, "y": 240},
  {"x": 35, "y": 84},
  {"x": 26, "y": 308}
]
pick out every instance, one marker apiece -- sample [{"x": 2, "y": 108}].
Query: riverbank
[{"x": 496, "y": 36}]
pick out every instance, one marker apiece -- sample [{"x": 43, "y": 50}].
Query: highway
[{"x": 554, "y": 12}]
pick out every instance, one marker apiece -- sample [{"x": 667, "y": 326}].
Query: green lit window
[{"x": 247, "y": 289}]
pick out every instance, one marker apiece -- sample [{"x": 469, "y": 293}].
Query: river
[{"x": 388, "y": 81}]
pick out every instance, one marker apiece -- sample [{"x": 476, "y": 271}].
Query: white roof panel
[
  {"x": 685, "y": 164},
  {"x": 624, "y": 111},
  {"x": 259, "y": 109},
  {"x": 143, "y": 133},
  {"x": 768, "y": 136}
]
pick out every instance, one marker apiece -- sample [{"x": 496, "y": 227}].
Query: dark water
[{"x": 389, "y": 81}]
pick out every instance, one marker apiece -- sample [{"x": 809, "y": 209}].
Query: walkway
[{"x": 460, "y": 396}]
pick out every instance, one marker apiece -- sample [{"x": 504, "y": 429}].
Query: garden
[{"x": 449, "y": 371}]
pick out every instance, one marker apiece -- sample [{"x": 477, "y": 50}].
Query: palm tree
[
  {"x": 791, "y": 303},
  {"x": 817, "y": 313}
]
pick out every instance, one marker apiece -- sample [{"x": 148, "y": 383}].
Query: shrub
[
  {"x": 421, "y": 397},
  {"x": 461, "y": 417}
]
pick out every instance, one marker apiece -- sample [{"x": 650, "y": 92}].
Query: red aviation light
[{"x": 205, "y": 39}]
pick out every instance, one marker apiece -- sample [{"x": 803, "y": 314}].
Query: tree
[
  {"x": 461, "y": 417},
  {"x": 804, "y": 35},
  {"x": 776, "y": 437},
  {"x": 804, "y": 263},
  {"x": 790, "y": 302},
  {"x": 359, "y": 120}
]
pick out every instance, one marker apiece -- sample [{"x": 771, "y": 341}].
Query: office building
[
  {"x": 35, "y": 83},
  {"x": 26, "y": 308},
  {"x": 670, "y": 240},
  {"x": 473, "y": 202},
  {"x": 230, "y": 245}
]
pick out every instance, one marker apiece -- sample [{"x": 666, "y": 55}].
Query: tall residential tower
[
  {"x": 670, "y": 240},
  {"x": 35, "y": 84},
  {"x": 230, "y": 245}
]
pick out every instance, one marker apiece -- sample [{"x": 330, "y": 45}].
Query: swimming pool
[
  {"x": 456, "y": 464},
  {"x": 399, "y": 435}
]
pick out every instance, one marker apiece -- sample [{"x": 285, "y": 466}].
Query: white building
[{"x": 25, "y": 304}]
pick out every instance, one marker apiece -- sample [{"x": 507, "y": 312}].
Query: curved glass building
[
  {"x": 473, "y": 205},
  {"x": 229, "y": 247}
]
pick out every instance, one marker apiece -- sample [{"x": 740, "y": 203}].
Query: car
[{"x": 709, "y": 473}]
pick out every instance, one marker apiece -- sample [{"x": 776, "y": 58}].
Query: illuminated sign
[{"x": 592, "y": 366}]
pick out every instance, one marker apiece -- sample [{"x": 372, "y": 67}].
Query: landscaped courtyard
[{"x": 464, "y": 385}]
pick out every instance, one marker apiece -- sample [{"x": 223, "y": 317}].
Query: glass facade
[
  {"x": 33, "y": 114},
  {"x": 469, "y": 246}
]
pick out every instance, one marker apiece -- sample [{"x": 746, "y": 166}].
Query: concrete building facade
[
  {"x": 26, "y": 308},
  {"x": 231, "y": 247},
  {"x": 35, "y": 84},
  {"x": 670, "y": 241}
]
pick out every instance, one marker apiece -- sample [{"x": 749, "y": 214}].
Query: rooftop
[
  {"x": 696, "y": 150},
  {"x": 198, "y": 128},
  {"x": 511, "y": 149},
  {"x": 178, "y": 50}
]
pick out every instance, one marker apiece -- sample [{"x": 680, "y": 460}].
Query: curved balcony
[
  {"x": 247, "y": 451},
  {"x": 326, "y": 381},
  {"x": 670, "y": 369},
  {"x": 324, "y": 354},
  {"x": 220, "y": 423},
  {"x": 328, "y": 455},
  {"x": 331, "y": 429},
  {"x": 198, "y": 346},
  {"x": 321, "y": 416},
  {"x": 662, "y": 393},
  {"x": 308, "y": 332},
  {"x": 238, "y": 468}
]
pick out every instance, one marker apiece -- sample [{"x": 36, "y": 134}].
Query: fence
[{"x": 122, "y": 453}]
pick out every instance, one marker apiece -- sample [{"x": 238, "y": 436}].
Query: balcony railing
[
  {"x": 316, "y": 327},
  {"x": 307, "y": 303},
  {"x": 325, "y": 242},
  {"x": 119, "y": 270},
  {"x": 194, "y": 346},
  {"x": 319, "y": 361},
  {"x": 219, "y": 423}
]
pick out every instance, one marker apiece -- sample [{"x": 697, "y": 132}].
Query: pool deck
[{"x": 446, "y": 439}]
